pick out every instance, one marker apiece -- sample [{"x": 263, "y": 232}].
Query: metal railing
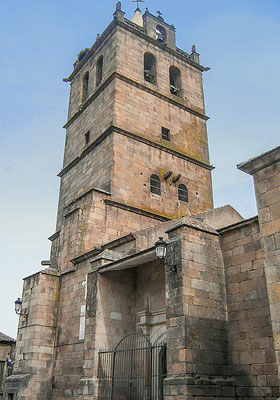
[{"x": 134, "y": 370}]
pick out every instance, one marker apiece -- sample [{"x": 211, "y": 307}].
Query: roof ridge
[{"x": 6, "y": 338}]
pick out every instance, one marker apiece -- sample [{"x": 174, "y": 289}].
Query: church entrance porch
[{"x": 134, "y": 370}]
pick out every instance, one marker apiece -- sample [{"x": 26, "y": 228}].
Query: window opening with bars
[
  {"x": 183, "y": 193},
  {"x": 165, "y": 133},
  {"x": 155, "y": 184}
]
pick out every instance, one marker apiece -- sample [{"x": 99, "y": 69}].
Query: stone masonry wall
[
  {"x": 93, "y": 170},
  {"x": 6, "y": 351},
  {"x": 187, "y": 132},
  {"x": 197, "y": 344},
  {"x": 116, "y": 302},
  {"x": 133, "y": 47},
  {"x": 95, "y": 119},
  {"x": 251, "y": 347},
  {"x": 267, "y": 186},
  {"x": 70, "y": 351},
  {"x": 108, "y": 51},
  {"x": 131, "y": 175},
  {"x": 150, "y": 286},
  {"x": 91, "y": 222},
  {"x": 36, "y": 337}
]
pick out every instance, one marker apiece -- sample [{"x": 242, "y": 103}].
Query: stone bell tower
[
  {"x": 136, "y": 154},
  {"x": 136, "y": 147}
]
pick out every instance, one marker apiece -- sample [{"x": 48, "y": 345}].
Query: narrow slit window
[
  {"x": 99, "y": 70},
  {"x": 150, "y": 68},
  {"x": 165, "y": 134},
  {"x": 175, "y": 81},
  {"x": 155, "y": 184},
  {"x": 87, "y": 138},
  {"x": 85, "y": 85},
  {"x": 183, "y": 193}
]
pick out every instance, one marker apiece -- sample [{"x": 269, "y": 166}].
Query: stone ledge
[
  {"x": 96, "y": 250},
  {"x": 137, "y": 137},
  {"x": 116, "y": 75},
  {"x": 192, "y": 223},
  {"x": 18, "y": 377},
  {"x": 54, "y": 236},
  {"x": 260, "y": 162},
  {"x": 136, "y": 210}
]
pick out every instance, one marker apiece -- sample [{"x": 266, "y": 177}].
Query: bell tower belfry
[{"x": 136, "y": 147}]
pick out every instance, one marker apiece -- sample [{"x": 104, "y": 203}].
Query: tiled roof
[{"x": 6, "y": 338}]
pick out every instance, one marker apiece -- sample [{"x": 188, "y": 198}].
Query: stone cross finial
[
  {"x": 137, "y": 1},
  {"x": 118, "y": 6},
  {"x": 159, "y": 13}
]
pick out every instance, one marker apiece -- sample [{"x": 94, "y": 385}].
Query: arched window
[
  {"x": 149, "y": 68},
  {"x": 155, "y": 184},
  {"x": 183, "y": 193},
  {"x": 160, "y": 34},
  {"x": 85, "y": 85},
  {"x": 175, "y": 81},
  {"x": 99, "y": 70}
]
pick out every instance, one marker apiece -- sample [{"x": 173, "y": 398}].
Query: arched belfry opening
[
  {"x": 85, "y": 86},
  {"x": 175, "y": 80},
  {"x": 99, "y": 70},
  {"x": 150, "y": 68},
  {"x": 161, "y": 35}
]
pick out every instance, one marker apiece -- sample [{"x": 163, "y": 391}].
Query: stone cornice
[
  {"x": 98, "y": 43},
  {"x": 192, "y": 222},
  {"x": 128, "y": 25},
  {"x": 174, "y": 100},
  {"x": 136, "y": 210},
  {"x": 48, "y": 271},
  {"x": 54, "y": 236},
  {"x": 130, "y": 261},
  {"x": 86, "y": 103},
  {"x": 92, "y": 189},
  {"x": 162, "y": 147},
  {"x": 238, "y": 225},
  {"x": 96, "y": 250},
  {"x": 181, "y": 55},
  {"x": 260, "y": 162},
  {"x": 137, "y": 137}
]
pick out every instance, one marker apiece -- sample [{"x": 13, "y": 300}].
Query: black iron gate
[{"x": 134, "y": 370}]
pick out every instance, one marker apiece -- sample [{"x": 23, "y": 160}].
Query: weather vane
[{"x": 137, "y": 1}]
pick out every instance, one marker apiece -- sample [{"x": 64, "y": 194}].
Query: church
[{"x": 150, "y": 293}]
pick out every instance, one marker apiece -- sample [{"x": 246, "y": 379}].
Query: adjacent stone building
[
  {"x": 7, "y": 354},
  {"x": 107, "y": 319}
]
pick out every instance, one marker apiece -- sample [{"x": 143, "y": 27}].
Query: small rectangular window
[
  {"x": 165, "y": 134},
  {"x": 87, "y": 137}
]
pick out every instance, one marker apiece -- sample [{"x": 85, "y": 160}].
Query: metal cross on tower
[
  {"x": 137, "y": 1},
  {"x": 159, "y": 13}
]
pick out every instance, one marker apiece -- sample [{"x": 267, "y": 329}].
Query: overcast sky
[{"x": 238, "y": 39}]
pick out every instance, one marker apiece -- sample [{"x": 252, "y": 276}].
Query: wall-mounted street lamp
[
  {"x": 161, "y": 247},
  {"x": 18, "y": 307},
  {"x": 18, "y": 304}
]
